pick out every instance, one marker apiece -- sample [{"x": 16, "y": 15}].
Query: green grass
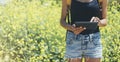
[{"x": 30, "y": 32}]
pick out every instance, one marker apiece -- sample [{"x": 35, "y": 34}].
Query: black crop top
[{"x": 84, "y": 12}]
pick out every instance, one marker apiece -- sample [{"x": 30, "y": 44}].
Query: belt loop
[{"x": 90, "y": 37}]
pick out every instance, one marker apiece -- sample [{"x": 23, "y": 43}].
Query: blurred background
[{"x": 30, "y": 31}]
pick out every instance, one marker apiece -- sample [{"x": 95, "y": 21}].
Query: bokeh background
[{"x": 30, "y": 31}]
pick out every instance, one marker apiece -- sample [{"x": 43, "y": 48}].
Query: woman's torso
[{"x": 84, "y": 11}]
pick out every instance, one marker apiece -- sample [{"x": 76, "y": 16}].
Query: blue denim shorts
[{"x": 79, "y": 46}]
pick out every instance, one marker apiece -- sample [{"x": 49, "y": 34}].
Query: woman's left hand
[
  {"x": 100, "y": 22},
  {"x": 95, "y": 19}
]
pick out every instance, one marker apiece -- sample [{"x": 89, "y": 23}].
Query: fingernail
[
  {"x": 84, "y": 28},
  {"x": 74, "y": 25},
  {"x": 80, "y": 27}
]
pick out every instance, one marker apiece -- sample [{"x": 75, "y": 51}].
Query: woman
[{"x": 82, "y": 42}]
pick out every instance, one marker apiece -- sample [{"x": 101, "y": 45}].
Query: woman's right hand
[{"x": 76, "y": 30}]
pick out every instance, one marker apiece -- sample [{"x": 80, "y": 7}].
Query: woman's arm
[
  {"x": 63, "y": 23},
  {"x": 63, "y": 16},
  {"x": 103, "y": 22}
]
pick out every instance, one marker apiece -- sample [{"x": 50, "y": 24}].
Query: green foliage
[
  {"x": 110, "y": 35},
  {"x": 30, "y": 32}
]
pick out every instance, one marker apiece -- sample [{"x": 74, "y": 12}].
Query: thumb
[
  {"x": 92, "y": 19},
  {"x": 74, "y": 25}
]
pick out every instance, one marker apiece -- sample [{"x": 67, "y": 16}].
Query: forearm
[
  {"x": 102, "y": 23},
  {"x": 65, "y": 25}
]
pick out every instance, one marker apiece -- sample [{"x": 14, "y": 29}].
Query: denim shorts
[{"x": 87, "y": 46}]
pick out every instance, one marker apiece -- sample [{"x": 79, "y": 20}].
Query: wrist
[
  {"x": 102, "y": 23},
  {"x": 69, "y": 27}
]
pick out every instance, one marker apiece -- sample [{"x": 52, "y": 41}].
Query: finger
[
  {"x": 73, "y": 28},
  {"x": 97, "y": 19},
  {"x": 84, "y": 28},
  {"x": 76, "y": 32},
  {"x": 74, "y": 25},
  {"x": 80, "y": 27},
  {"x": 77, "y": 28},
  {"x": 92, "y": 19},
  {"x": 99, "y": 22},
  {"x": 80, "y": 30}
]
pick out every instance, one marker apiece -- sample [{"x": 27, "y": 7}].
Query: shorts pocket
[
  {"x": 70, "y": 37},
  {"x": 96, "y": 39}
]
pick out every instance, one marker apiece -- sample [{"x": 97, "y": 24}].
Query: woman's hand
[
  {"x": 95, "y": 19},
  {"x": 76, "y": 30},
  {"x": 101, "y": 23}
]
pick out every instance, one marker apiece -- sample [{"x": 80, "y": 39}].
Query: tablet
[{"x": 88, "y": 25}]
